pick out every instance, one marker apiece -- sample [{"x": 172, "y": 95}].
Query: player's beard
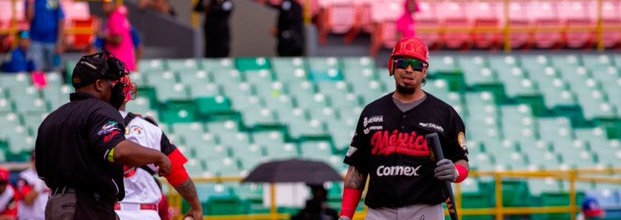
[{"x": 405, "y": 90}]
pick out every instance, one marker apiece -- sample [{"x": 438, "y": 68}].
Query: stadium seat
[
  {"x": 428, "y": 24},
  {"x": 337, "y": 17},
  {"x": 521, "y": 29},
  {"x": 546, "y": 20},
  {"x": 457, "y": 28},
  {"x": 579, "y": 28},
  {"x": 485, "y": 18},
  {"x": 611, "y": 21}
]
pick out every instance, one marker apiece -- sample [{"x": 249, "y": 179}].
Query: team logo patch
[
  {"x": 135, "y": 130},
  {"x": 461, "y": 140},
  {"x": 108, "y": 128}
]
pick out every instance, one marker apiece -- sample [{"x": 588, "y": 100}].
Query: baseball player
[
  {"x": 33, "y": 193},
  {"x": 389, "y": 146},
  {"x": 8, "y": 197},
  {"x": 142, "y": 193}
]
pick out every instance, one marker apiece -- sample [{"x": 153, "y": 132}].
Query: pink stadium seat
[
  {"x": 611, "y": 15},
  {"x": 338, "y": 17},
  {"x": 384, "y": 14},
  {"x": 545, "y": 16},
  {"x": 521, "y": 34},
  {"x": 427, "y": 24},
  {"x": 580, "y": 30},
  {"x": 362, "y": 20},
  {"x": 485, "y": 17},
  {"x": 76, "y": 10},
  {"x": 457, "y": 28}
]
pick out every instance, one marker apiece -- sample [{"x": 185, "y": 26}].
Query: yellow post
[
  {"x": 458, "y": 200},
  {"x": 273, "y": 211},
  {"x": 507, "y": 30},
  {"x": 498, "y": 189},
  {"x": 195, "y": 19},
  {"x": 13, "y": 27},
  {"x": 600, "y": 26},
  {"x": 307, "y": 12},
  {"x": 572, "y": 194}
]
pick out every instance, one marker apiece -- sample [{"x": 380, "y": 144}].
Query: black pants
[{"x": 70, "y": 204}]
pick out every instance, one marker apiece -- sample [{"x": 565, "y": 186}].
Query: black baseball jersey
[
  {"x": 72, "y": 145},
  {"x": 390, "y": 146}
]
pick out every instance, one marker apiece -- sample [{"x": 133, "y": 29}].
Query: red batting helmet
[{"x": 409, "y": 48}]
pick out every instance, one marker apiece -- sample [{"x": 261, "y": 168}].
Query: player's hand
[
  {"x": 344, "y": 218},
  {"x": 163, "y": 165},
  {"x": 193, "y": 214},
  {"x": 445, "y": 170}
]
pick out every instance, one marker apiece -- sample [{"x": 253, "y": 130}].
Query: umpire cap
[{"x": 96, "y": 66}]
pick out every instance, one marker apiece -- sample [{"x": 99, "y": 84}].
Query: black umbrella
[{"x": 293, "y": 170}]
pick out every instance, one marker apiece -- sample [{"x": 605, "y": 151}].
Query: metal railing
[{"x": 498, "y": 211}]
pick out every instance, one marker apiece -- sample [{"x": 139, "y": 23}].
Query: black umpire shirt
[
  {"x": 72, "y": 144},
  {"x": 390, "y": 146}
]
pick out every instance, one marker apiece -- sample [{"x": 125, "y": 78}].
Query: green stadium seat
[
  {"x": 226, "y": 166},
  {"x": 259, "y": 78},
  {"x": 148, "y": 66},
  {"x": 182, "y": 65},
  {"x": 442, "y": 64},
  {"x": 323, "y": 115},
  {"x": 517, "y": 122},
  {"x": 316, "y": 150},
  {"x": 227, "y": 78},
  {"x": 554, "y": 128},
  {"x": 310, "y": 101},
  {"x": 597, "y": 61},
  {"x": 32, "y": 121},
  {"x": 553, "y": 199},
  {"x": 195, "y": 78},
  {"x": 258, "y": 116},
  {"x": 284, "y": 151},
  {"x": 517, "y": 84},
  {"x": 502, "y": 63},
  {"x": 370, "y": 91},
  {"x": 213, "y": 105},
  {"x": 251, "y": 64},
  {"x": 139, "y": 78},
  {"x": 289, "y": 70},
  {"x": 357, "y": 76},
  {"x": 233, "y": 138},
  {"x": 249, "y": 156},
  {"x": 178, "y": 111},
  {"x": 357, "y": 62},
  {"x": 19, "y": 80},
  {"x": 195, "y": 167},
  {"x": 217, "y": 65},
  {"x": 475, "y": 71}
]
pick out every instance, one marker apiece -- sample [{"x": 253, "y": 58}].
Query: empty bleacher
[{"x": 522, "y": 112}]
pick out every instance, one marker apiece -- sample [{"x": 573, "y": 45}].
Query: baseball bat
[{"x": 434, "y": 142}]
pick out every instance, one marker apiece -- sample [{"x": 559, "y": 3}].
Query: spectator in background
[
  {"x": 316, "y": 207},
  {"x": 8, "y": 197},
  {"x": 33, "y": 193},
  {"x": 405, "y": 23},
  {"x": 161, "y": 6},
  {"x": 590, "y": 210},
  {"x": 117, "y": 34},
  {"x": 138, "y": 48},
  {"x": 47, "y": 25},
  {"x": 289, "y": 29},
  {"x": 216, "y": 28},
  {"x": 19, "y": 59}
]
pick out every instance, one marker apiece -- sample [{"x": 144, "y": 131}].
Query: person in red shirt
[{"x": 8, "y": 197}]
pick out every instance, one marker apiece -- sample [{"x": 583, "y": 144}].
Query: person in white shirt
[
  {"x": 142, "y": 194},
  {"x": 33, "y": 193}
]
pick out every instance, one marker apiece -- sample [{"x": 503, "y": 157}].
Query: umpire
[{"x": 81, "y": 148}]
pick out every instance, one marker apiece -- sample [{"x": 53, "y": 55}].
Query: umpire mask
[{"x": 119, "y": 89}]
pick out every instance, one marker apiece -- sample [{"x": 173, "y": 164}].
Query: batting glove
[{"x": 445, "y": 170}]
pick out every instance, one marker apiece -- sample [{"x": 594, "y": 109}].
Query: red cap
[
  {"x": 413, "y": 48},
  {"x": 4, "y": 174}
]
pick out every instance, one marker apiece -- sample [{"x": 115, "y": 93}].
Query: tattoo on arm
[
  {"x": 188, "y": 191},
  {"x": 355, "y": 179}
]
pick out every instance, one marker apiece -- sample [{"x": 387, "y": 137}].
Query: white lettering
[
  {"x": 373, "y": 128},
  {"x": 373, "y": 119},
  {"x": 397, "y": 171}
]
